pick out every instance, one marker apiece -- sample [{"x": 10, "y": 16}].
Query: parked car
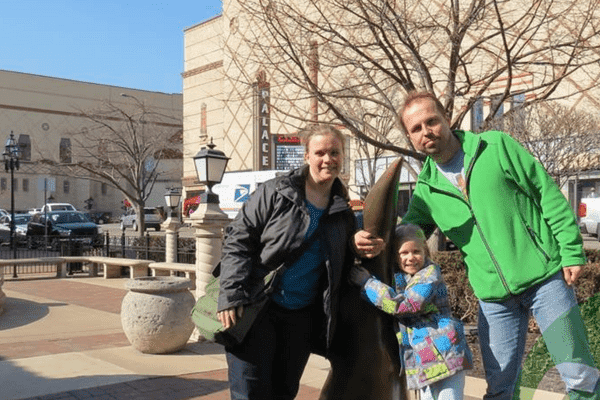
[
  {"x": 4, "y": 234},
  {"x": 21, "y": 221},
  {"x": 589, "y": 216},
  {"x": 62, "y": 225},
  {"x": 58, "y": 207},
  {"x": 152, "y": 216},
  {"x": 101, "y": 217}
]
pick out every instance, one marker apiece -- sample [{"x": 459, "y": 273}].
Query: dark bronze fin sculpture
[{"x": 365, "y": 358}]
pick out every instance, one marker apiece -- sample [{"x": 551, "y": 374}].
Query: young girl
[{"x": 433, "y": 349}]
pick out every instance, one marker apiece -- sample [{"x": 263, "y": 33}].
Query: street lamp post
[
  {"x": 171, "y": 224},
  {"x": 48, "y": 200},
  {"x": 208, "y": 219},
  {"x": 11, "y": 162}
]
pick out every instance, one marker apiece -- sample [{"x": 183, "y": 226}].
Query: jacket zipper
[
  {"x": 483, "y": 238},
  {"x": 468, "y": 203}
]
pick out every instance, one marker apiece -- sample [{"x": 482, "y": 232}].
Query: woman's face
[
  {"x": 411, "y": 257},
  {"x": 325, "y": 157}
]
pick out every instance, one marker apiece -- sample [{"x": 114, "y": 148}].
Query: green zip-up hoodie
[{"x": 513, "y": 226}]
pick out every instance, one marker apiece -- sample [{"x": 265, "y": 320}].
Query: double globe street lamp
[{"x": 11, "y": 155}]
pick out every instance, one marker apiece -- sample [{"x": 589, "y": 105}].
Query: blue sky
[{"x": 135, "y": 44}]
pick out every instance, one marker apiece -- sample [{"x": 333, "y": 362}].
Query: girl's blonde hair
[{"x": 410, "y": 232}]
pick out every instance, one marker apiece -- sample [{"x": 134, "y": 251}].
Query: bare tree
[
  {"x": 124, "y": 149},
  {"x": 367, "y": 165},
  {"x": 373, "y": 51},
  {"x": 564, "y": 140}
]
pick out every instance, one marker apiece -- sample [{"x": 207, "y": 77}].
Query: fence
[{"x": 145, "y": 248}]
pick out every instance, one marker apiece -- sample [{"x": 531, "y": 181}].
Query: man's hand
[
  {"x": 367, "y": 245},
  {"x": 572, "y": 273},
  {"x": 229, "y": 317}
]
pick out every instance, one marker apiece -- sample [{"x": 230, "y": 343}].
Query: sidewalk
[{"x": 62, "y": 339}]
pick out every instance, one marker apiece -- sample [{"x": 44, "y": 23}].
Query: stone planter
[{"x": 155, "y": 313}]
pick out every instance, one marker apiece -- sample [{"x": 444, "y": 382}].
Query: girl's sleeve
[{"x": 415, "y": 299}]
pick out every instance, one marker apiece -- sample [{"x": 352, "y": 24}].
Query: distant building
[
  {"x": 230, "y": 97},
  {"x": 45, "y": 113}
]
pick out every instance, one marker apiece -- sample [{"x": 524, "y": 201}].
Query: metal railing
[{"x": 145, "y": 248}]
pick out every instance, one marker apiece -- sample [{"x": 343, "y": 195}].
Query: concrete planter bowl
[{"x": 155, "y": 313}]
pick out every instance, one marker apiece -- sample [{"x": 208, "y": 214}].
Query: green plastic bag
[{"x": 204, "y": 316}]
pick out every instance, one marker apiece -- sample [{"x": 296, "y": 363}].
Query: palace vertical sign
[{"x": 262, "y": 117}]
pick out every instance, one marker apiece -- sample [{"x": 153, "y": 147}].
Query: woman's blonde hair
[
  {"x": 410, "y": 232},
  {"x": 321, "y": 129}
]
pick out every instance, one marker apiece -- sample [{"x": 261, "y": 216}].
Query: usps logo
[{"x": 242, "y": 193}]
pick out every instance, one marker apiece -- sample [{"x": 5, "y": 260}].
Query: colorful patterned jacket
[{"x": 432, "y": 342}]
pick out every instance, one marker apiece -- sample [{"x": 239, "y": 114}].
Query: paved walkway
[{"x": 62, "y": 339}]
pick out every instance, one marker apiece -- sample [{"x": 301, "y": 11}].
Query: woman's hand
[
  {"x": 367, "y": 245},
  {"x": 229, "y": 317},
  {"x": 359, "y": 275}
]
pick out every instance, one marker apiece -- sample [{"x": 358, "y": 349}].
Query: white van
[
  {"x": 589, "y": 216},
  {"x": 236, "y": 187},
  {"x": 58, "y": 207}
]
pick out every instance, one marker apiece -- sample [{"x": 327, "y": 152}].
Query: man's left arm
[{"x": 554, "y": 207}]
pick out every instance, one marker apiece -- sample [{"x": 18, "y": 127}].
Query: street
[{"x": 590, "y": 242}]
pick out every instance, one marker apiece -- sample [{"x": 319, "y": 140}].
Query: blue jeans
[
  {"x": 503, "y": 328},
  {"x": 270, "y": 362},
  {"x": 451, "y": 388}
]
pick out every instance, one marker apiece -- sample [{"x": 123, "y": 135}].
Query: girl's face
[
  {"x": 411, "y": 257},
  {"x": 325, "y": 157}
]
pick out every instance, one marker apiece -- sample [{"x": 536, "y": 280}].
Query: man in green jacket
[{"x": 519, "y": 240}]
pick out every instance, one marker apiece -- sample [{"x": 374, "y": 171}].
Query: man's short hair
[{"x": 416, "y": 95}]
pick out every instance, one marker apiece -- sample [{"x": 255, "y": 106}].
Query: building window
[
  {"x": 65, "y": 150},
  {"x": 102, "y": 150},
  {"x": 497, "y": 122},
  {"x": 104, "y": 189},
  {"x": 517, "y": 100},
  {"x": 26, "y": 185},
  {"x": 203, "y": 121},
  {"x": 25, "y": 145},
  {"x": 66, "y": 187},
  {"x": 477, "y": 115},
  {"x": 15, "y": 184},
  {"x": 518, "y": 112},
  {"x": 3, "y": 184}
]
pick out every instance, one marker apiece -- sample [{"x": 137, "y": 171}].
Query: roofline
[
  {"x": 90, "y": 83},
  {"x": 203, "y": 22}
]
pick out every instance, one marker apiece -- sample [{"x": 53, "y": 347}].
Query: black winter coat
[{"x": 270, "y": 225}]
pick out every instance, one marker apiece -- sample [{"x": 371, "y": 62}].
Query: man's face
[{"x": 427, "y": 128}]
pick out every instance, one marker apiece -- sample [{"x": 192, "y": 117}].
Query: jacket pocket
[{"x": 537, "y": 243}]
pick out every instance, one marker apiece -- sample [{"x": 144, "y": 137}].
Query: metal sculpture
[{"x": 365, "y": 357}]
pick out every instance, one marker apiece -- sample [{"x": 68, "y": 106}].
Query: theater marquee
[{"x": 262, "y": 124}]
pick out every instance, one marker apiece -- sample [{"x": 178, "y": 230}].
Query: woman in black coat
[{"x": 308, "y": 204}]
